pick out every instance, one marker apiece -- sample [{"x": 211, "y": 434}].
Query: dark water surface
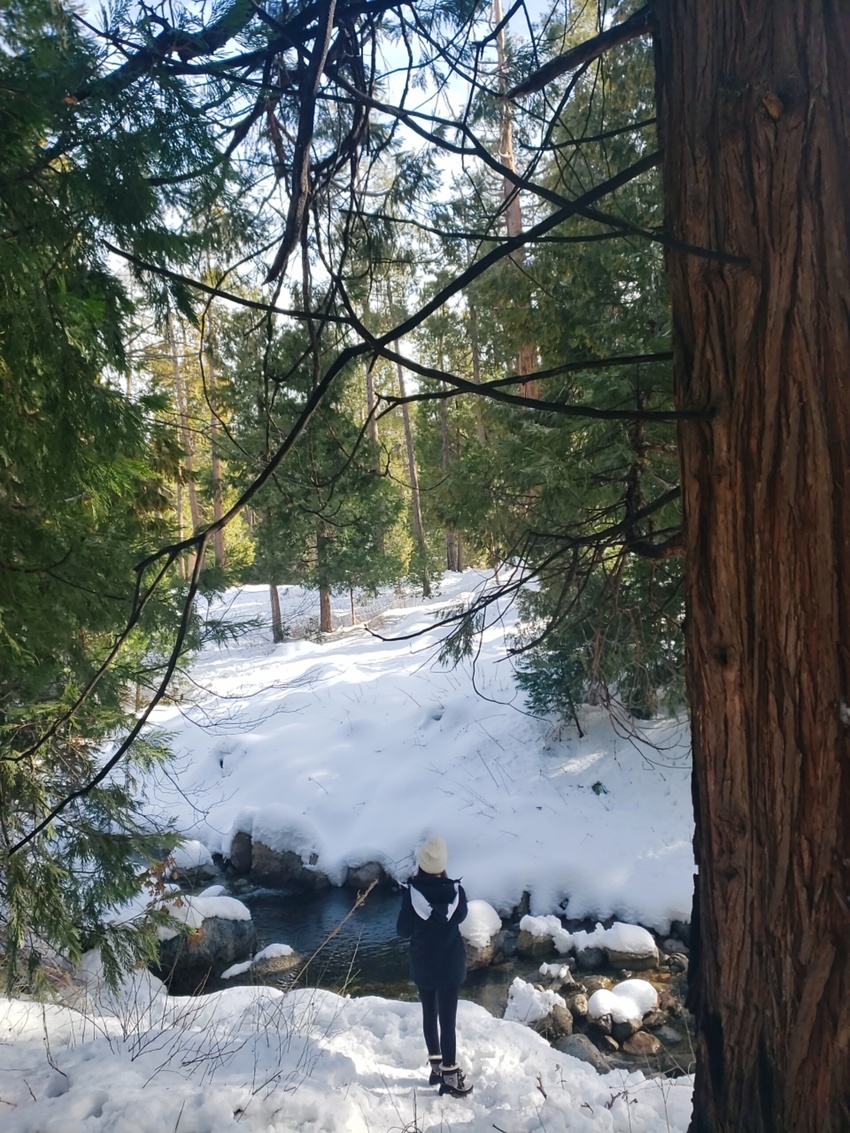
[{"x": 364, "y": 956}]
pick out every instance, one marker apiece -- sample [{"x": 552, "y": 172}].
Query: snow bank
[
  {"x": 253, "y": 1060},
  {"x": 358, "y": 746}
]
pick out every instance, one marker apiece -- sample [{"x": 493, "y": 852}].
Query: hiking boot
[
  {"x": 435, "y": 1077},
  {"x": 453, "y": 1082}
]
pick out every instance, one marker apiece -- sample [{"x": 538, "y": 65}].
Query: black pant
[{"x": 439, "y": 1016}]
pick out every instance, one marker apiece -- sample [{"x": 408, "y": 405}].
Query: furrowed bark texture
[{"x": 754, "y": 102}]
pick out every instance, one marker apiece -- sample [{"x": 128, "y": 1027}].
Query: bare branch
[
  {"x": 217, "y": 292},
  {"x": 494, "y": 392},
  {"x": 636, "y": 25},
  {"x": 300, "y": 190}
]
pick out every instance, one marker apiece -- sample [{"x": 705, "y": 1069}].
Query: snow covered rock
[
  {"x": 276, "y": 846},
  {"x": 191, "y": 863},
  {"x": 540, "y": 936},
  {"x": 621, "y": 1010},
  {"x": 363, "y": 875},
  {"x": 281, "y": 868},
  {"x": 276, "y": 958},
  {"x": 480, "y": 930},
  {"x": 222, "y": 934},
  {"x": 543, "y": 1011},
  {"x": 632, "y": 947},
  {"x": 626, "y": 946},
  {"x": 272, "y": 960},
  {"x": 239, "y": 857}
]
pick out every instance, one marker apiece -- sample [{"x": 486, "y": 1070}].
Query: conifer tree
[
  {"x": 84, "y": 480},
  {"x": 324, "y": 520}
]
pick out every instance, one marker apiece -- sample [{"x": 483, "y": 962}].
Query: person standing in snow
[{"x": 432, "y": 907}]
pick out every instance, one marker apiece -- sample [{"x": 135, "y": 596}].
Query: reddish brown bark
[
  {"x": 754, "y": 104},
  {"x": 326, "y": 623}
]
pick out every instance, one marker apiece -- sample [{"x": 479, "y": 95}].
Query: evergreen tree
[
  {"x": 84, "y": 472},
  {"x": 586, "y": 504},
  {"x": 325, "y": 519}
]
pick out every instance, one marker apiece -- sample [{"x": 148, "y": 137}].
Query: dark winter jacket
[{"x": 431, "y": 909}]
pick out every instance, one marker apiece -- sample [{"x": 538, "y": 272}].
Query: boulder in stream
[
  {"x": 221, "y": 933},
  {"x": 277, "y": 846},
  {"x": 480, "y": 932}
]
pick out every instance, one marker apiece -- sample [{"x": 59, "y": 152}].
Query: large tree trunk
[
  {"x": 371, "y": 404},
  {"x": 215, "y": 453},
  {"x": 415, "y": 498},
  {"x": 453, "y": 551},
  {"x": 475, "y": 349},
  {"x": 754, "y": 105},
  {"x": 326, "y": 624}
]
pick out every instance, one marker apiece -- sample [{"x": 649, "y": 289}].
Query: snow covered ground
[{"x": 359, "y": 749}]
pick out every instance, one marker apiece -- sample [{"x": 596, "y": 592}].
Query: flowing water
[{"x": 360, "y": 955}]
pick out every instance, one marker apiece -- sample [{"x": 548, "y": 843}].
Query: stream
[
  {"x": 364, "y": 957},
  {"x": 360, "y": 954}
]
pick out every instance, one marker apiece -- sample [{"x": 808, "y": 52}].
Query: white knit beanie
[{"x": 434, "y": 856}]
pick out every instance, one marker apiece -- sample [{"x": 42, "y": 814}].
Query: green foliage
[
  {"x": 326, "y": 518},
  {"x": 128, "y": 140},
  {"x": 568, "y": 497},
  {"x": 84, "y": 495},
  {"x": 615, "y": 636}
]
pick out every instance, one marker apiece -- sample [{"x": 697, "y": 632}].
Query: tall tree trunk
[
  {"x": 475, "y": 349},
  {"x": 372, "y": 428},
  {"x": 452, "y": 536},
  {"x": 215, "y": 455},
  {"x": 371, "y": 403},
  {"x": 186, "y": 442},
  {"x": 326, "y": 624},
  {"x": 446, "y": 463},
  {"x": 527, "y": 353},
  {"x": 181, "y": 529},
  {"x": 754, "y": 110},
  {"x": 277, "y": 620},
  {"x": 415, "y": 500}
]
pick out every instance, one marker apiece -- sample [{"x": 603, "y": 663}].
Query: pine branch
[
  {"x": 493, "y": 391},
  {"x": 129, "y": 739},
  {"x": 636, "y": 25},
  {"x": 476, "y": 148}
]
